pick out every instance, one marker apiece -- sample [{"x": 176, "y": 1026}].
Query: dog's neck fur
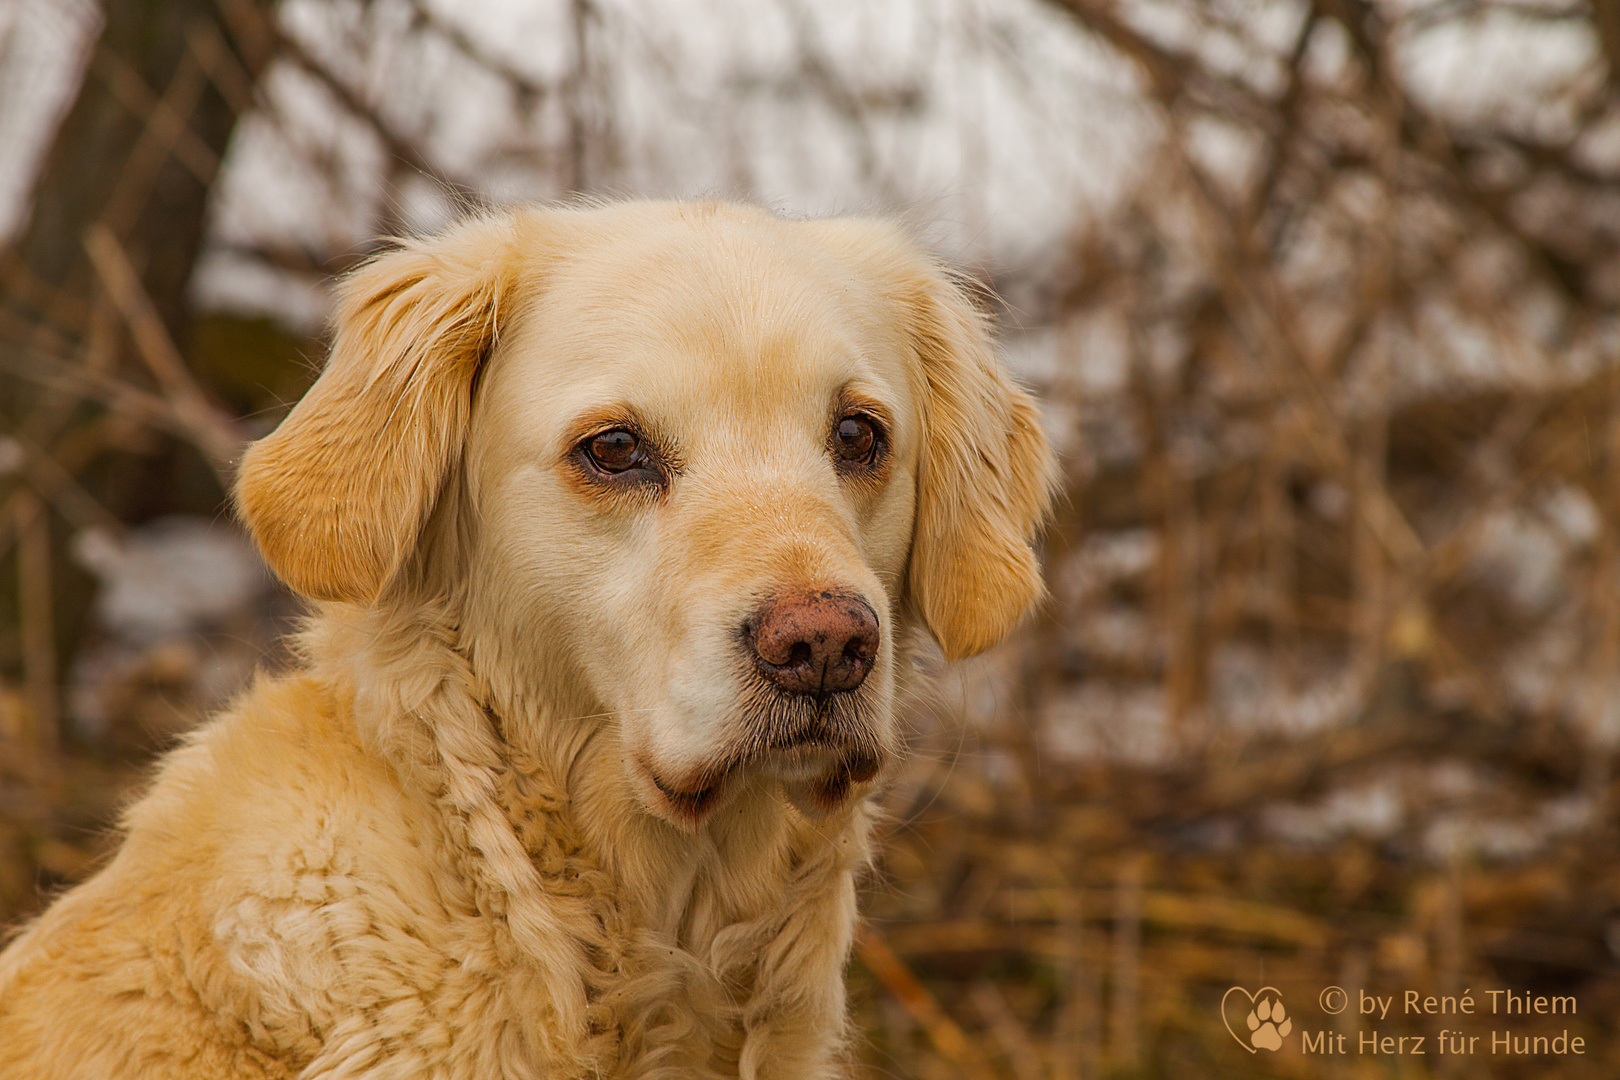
[{"x": 532, "y": 782}]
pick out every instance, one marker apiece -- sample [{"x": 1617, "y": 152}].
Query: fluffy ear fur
[
  {"x": 985, "y": 482},
  {"x": 337, "y": 494},
  {"x": 987, "y": 474}
]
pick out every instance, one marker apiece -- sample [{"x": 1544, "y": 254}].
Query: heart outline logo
[{"x": 1256, "y": 1001}]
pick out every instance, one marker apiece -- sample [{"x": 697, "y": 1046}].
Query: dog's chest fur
[
  {"x": 674, "y": 975},
  {"x": 376, "y": 934}
]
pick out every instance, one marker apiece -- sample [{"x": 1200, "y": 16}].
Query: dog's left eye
[
  {"x": 857, "y": 440},
  {"x": 617, "y": 451}
]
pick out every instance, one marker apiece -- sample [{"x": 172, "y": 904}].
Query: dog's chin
[
  {"x": 816, "y": 778},
  {"x": 800, "y": 764},
  {"x": 819, "y": 780}
]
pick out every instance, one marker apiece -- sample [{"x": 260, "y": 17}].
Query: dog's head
[{"x": 710, "y": 466}]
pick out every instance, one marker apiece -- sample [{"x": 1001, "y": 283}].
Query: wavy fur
[{"x": 440, "y": 846}]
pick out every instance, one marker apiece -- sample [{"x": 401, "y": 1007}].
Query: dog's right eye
[{"x": 616, "y": 451}]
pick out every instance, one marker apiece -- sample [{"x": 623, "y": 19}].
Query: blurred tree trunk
[
  {"x": 132, "y": 166},
  {"x": 137, "y": 153}
]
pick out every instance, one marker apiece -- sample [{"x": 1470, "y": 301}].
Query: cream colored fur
[{"x": 443, "y": 846}]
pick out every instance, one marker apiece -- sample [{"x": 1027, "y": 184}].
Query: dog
[{"x": 623, "y": 528}]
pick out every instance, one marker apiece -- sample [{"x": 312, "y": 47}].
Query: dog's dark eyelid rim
[
  {"x": 861, "y": 398},
  {"x": 880, "y": 430},
  {"x": 880, "y": 435},
  {"x": 649, "y": 464},
  {"x": 637, "y": 454}
]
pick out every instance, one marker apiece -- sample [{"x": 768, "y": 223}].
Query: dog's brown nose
[{"x": 817, "y": 642}]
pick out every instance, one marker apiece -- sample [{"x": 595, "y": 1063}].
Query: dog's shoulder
[
  {"x": 274, "y": 870},
  {"x": 278, "y": 784}
]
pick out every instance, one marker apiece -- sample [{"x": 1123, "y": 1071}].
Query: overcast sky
[{"x": 994, "y": 121}]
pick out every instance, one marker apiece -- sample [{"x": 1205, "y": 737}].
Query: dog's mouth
[
  {"x": 819, "y": 748},
  {"x": 816, "y": 779},
  {"x": 818, "y": 783},
  {"x": 808, "y": 761},
  {"x": 687, "y": 804},
  {"x": 817, "y": 764}
]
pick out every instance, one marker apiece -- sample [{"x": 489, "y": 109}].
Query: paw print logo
[{"x": 1267, "y": 1023}]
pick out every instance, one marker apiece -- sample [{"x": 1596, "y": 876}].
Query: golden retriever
[{"x": 621, "y": 526}]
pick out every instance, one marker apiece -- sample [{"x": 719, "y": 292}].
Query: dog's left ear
[
  {"x": 337, "y": 495},
  {"x": 985, "y": 481},
  {"x": 986, "y": 474}
]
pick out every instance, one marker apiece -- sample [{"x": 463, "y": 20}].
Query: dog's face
[
  {"x": 714, "y": 465},
  {"x": 701, "y": 485}
]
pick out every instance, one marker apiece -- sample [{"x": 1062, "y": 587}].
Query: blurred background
[{"x": 1322, "y": 298}]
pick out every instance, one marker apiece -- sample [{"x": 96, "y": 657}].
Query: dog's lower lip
[
  {"x": 686, "y": 803},
  {"x": 800, "y": 761},
  {"x": 812, "y": 760},
  {"x": 862, "y": 767}
]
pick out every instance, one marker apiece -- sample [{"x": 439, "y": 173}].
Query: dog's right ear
[{"x": 337, "y": 495}]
